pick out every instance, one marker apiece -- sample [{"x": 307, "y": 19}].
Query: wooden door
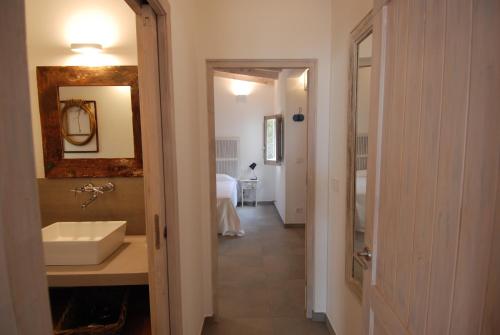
[
  {"x": 154, "y": 175},
  {"x": 434, "y": 180}
]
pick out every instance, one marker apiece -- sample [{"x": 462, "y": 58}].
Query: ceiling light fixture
[{"x": 86, "y": 48}]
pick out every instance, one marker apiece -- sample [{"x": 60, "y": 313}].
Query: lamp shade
[{"x": 252, "y": 166}]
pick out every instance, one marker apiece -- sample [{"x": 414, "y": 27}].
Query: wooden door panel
[
  {"x": 454, "y": 108},
  {"x": 491, "y": 321},
  {"x": 427, "y": 163},
  {"x": 411, "y": 140},
  {"x": 388, "y": 158},
  {"x": 481, "y": 172},
  {"x": 432, "y": 220},
  {"x": 151, "y": 123}
]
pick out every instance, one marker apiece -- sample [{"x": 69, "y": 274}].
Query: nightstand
[{"x": 247, "y": 187}]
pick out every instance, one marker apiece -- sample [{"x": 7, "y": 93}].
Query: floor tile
[
  {"x": 261, "y": 279},
  {"x": 239, "y": 326}
]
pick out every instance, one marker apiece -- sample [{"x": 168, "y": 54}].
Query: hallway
[{"x": 262, "y": 279}]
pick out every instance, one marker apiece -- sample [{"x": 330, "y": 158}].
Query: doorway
[
  {"x": 254, "y": 176},
  {"x": 152, "y": 25}
]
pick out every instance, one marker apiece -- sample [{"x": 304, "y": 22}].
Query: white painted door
[{"x": 433, "y": 186}]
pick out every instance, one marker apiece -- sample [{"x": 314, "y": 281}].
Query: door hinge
[{"x": 165, "y": 232}]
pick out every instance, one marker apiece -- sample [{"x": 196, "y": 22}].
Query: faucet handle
[{"x": 77, "y": 190}]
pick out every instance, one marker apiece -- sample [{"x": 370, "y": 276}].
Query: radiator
[
  {"x": 361, "y": 152},
  {"x": 227, "y": 156}
]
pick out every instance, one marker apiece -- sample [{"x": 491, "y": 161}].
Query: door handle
[
  {"x": 157, "y": 231},
  {"x": 366, "y": 254}
]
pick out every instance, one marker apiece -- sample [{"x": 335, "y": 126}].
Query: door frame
[
  {"x": 376, "y": 120},
  {"x": 213, "y": 65},
  {"x": 362, "y": 30},
  {"x": 25, "y": 307}
]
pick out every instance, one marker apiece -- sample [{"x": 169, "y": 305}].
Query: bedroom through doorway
[{"x": 261, "y": 140}]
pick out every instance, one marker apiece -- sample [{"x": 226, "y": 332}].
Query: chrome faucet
[{"x": 94, "y": 190}]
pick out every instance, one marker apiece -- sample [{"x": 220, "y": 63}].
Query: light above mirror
[{"x": 86, "y": 48}]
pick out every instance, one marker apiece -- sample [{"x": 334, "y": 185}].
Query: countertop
[{"x": 128, "y": 265}]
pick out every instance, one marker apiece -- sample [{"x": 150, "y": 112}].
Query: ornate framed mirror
[
  {"x": 357, "y": 150},
  {"x": 90, "y": 121}
]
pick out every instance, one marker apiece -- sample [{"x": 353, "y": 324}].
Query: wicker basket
[{"x": 94, "y": 311}]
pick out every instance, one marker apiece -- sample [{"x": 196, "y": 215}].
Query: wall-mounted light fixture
[
  {"x": 241, "y": 87},
  {"x": 86, "y": 48},
  {"x": 305, "y": 79}
]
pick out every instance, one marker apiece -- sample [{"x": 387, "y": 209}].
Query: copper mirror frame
[{"x": 49, "y": 79}]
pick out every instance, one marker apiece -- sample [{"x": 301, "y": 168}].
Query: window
[{"x": 273, "y": 139}]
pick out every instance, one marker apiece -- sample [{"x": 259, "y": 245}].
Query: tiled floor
[{"x": 262, "y": 279}]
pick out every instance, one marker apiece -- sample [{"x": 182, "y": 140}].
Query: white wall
[
  {"x": 291, "y": 175},
  {"x": 52, "y": 25},
  {"x": 261, "y": 29},
  {"x": 244, "y": 118},
  {"x": 280, "y": 186},
  {"x": 295, "y": 149},
  {"x": 343, "y": 308},
  {"x": 195, "y": 277}
]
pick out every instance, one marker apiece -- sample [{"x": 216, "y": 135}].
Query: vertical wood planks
[
  {"x": 482, "y": 163},
  {"x": 410, "y": 142},
  {"x": 394, "y": 146},
  {"x": 491, "y": 321},
  {"x": 451, "y": 161},
  {"x": 438, "y": 254},
  {"x": 427, "y": 154}
]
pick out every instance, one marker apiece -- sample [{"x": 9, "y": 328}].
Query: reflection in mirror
[
  {"x": 109, "y": 108},
  {"x": 361, "y": 145},
  {"x": 358, "y": 151}
]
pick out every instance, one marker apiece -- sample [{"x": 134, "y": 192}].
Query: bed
[
  {"x": 360, "y": 200},
  {"x": 227, "y": 200}
]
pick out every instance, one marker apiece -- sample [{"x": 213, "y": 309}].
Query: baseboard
[
  {"x": 318, "y": 317},
  {"x": 295, "y": 225},
  {"x": 252, "y": 203},
  {"x": 329, "y": 326}
]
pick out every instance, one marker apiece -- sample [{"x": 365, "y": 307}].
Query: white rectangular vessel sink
[{"x": 81, "y": 243}]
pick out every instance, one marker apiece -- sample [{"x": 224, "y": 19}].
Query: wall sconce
[
  {"x": 305, "y": 79},
  {"x": 86, "y": 48},
  {"x": 241, "y": 88}
]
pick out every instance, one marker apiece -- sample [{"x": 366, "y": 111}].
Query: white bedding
[
  {"x": 227, "y": 200},
  {"x": 360, "y": 200},
  {"x": 227, "y": 187}
]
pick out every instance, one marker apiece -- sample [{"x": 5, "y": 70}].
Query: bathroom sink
[{"x": 81, "y": 243}]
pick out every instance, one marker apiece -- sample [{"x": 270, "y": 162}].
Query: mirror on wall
[
  {"x": 358, "y": 139},
  {"x": 90, "y": 121},
  {"x": 96, "y": 121}
]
